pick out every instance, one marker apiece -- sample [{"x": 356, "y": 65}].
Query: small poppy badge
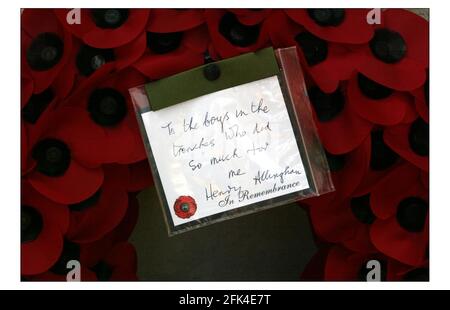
[{"x": 185, "y": 207}]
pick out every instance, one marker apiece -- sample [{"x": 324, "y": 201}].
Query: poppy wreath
[{"x": 83, "y": 161}]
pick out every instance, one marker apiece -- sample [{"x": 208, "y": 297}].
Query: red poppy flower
[
  {"x": 64, "y": 149},
  {"x": 400, "y": 203},
  {"x": 140, "y": 176},
  {"x": 377, "y": 103},
  {"x": 397, "y": 55},
  {"x": 169, "y": 53},
  {"x": 106, "y": 28},
  {"x": 87, "y": 62},
  {"x": 410, "y": 141},
  {"x": 326, "y": 63},
  {"x": 43, "y": 224},
  {"x": 107, "y": 106},
  {"x": 45, "y": 47},
  {"x": 335, "y": 25},
  {"x": 346, "y": 221},
  {"x": 230, "y": 36},
  {"x": 345, "y": 265},
  {"x": 340, "y": 128},
  {"x": 94, "y": 217},
  {"x": 185, "y": 207},
  {"x": 36, "y": 106},
  {"x": 174, "y": 20}
]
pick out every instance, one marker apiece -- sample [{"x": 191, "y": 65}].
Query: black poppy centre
[
  {"x": 36, "y": 105},
  {"x": 326, "y": 106},
  {"x": 163, "y": 43},
  {"x": 336, "y": 162},
  {"x": 107, "y": 107},
  {"x": 360, "y": 207},
  {"x": 419, "y": 137},
  {"x": 45, "y": 51},
  {"x": 87, "y": 203},
  {"x": 31, "y": 224},
  {"x": 388, "y": 46},
  {"x": 382, "y": 156},
  {"x": 103, "y": 271},
  {"x": 89, "y": 59},
  {"x": 372, "y": 89},
  {"x": 327, "y": 17},
  {"x": 109, "y": 18},
  {"x": 52, "y": 157},
  {"x": 412, "y": 213},
  {"x": 71, "y": 251},
  {"x": 314, "y": 48},
  {"x": 237, "y": 33}
]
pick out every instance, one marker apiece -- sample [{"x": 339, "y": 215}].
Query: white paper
[{"x": 227, "y": 149}]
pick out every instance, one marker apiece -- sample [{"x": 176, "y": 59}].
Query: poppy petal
[
  {"x": 77, "y": 183},
  {"x": 354, "y": 28},
  {"x": 402, "y": 182},
  {"x": 122, "y": 257},
  {"x": 106, "y": 38},
  {"x": 39, "y": 255},
  {"x": 131, "y": 52},
  {"x": 405, "y": 75},
  {"x": 388, "y": 111},
  {"x": 397, "y": 138},
  {"x": 390, "y": 238},
  {"x": 224, "y": 47},
  {"x": 251, "y": 17},
  {"x": 356, "y": 165},
  {"x": 123, "y": 232},
  {"x": 170, "y": 20},
  {"x": 414, "y": 30},
  {"x": 158, "y": 66},
  {"x": 96, "y": 221},
  {"x": 36, "y": 22},
  {"x": 140, "y": 176},
  {"x": 344, "y": 132}
]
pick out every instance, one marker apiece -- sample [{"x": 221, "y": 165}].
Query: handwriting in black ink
[
  {"x": 260, "y": 128},
  {"x": 224, "y": 157},
  {"x": 169, "y": 128},
  {"x": 234, "y": 132},
  {"x": 239, "y": 113},
  {"x": 194, "y": 166},
  {"x": 178, "y": 150},
  {"x": 269, "y": 175},
  {"x": 214, "y": 119},
  {"x": 191, "y": 125},
  {"x": 258, "y": 149},
  {"x": 235, "y": 173},
  {"x": 259, "y": 107}
]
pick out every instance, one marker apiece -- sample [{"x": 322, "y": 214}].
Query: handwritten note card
[{"x": 225, "y": 150}]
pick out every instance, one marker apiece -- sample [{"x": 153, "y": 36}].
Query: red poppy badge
[{"x": 185, "y": 207}]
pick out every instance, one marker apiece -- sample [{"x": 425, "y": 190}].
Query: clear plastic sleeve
[{"x": 292, "y": 104}]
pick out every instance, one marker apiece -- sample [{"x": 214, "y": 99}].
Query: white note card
[{"x": 225, "y": 150}]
